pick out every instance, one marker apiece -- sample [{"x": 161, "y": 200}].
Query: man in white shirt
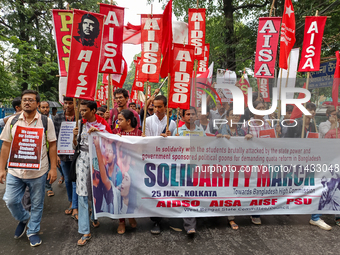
[
  {"x": 324, "y": 127},
  {"x": 156, "y": 124}
]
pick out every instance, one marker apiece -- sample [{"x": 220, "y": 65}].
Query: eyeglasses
[{"x": 30, "y": 100}]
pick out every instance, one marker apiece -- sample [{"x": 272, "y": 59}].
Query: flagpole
[
  {"x": 167, "y": 105},
  {"x": 145, "y": 105},
  {"x": 307, "y": 83}
]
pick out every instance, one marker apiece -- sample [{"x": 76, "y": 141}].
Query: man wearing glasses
[{"x": 17, "y": 180}]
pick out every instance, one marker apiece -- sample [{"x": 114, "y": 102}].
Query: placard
[{"x": 65, "y": 139}]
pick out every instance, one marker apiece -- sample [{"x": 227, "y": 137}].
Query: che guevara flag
[
  {"x": 287, "y": 40},
  {"x": 86, "y": 44}
]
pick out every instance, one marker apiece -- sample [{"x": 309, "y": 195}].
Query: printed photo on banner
[
  {"x": 26, "y": 148},
  {"x": 88, "y": 30},
  {"x": 113, "y": 177}
]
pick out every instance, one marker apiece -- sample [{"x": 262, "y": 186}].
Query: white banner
[
  {"x": 208, "y": 176},
  {"x": 65, "y": 139},
  {"x": 288, "y": 80}
]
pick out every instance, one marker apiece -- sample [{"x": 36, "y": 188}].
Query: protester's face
[
  {"x": 159, "y": 108},
  {"x": 100, "y": 113},
  {"x": 123, "y": 123},
  {"x": 44, "y": 108},
  {"x": 219, "y": 106},
  {"x": 68, "y": 106},
  {"x": 126, "y": 183},
  {"x": 18, "y": 108},
  {"x": 86, "y": 113},
  {"x": 260, "y": 107},
  {"x": 120, "y": 100},
  {"x": 29, "y": 103},
  {"x": 232, "y": 117},
  {"x": 88, "y": 26},
  {"x": 312, "y": 112},
  {"x": 333, "y": 115},
  {"x": 150, "y": 108},
  {"x": 189, "y": 117},
  {"x": 287, "y": 116},
  {"x": 133, "y": 107}
]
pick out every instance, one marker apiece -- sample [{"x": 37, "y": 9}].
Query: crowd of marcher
[{"x": 26, "y": 190}]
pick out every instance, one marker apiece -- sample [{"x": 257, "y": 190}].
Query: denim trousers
[
  {"x": 70, "y": 186},
  {"x": 316, "y": 217},
  {"x": 83, "y": 215},
  {"x": 15, "y": 188},
  {"x": 48, "y": 186}
]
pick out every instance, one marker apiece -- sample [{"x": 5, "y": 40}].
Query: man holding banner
[{"x": 18, "y": 178}]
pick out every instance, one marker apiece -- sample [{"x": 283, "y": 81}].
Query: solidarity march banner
[{"x": 209, "y": 176}]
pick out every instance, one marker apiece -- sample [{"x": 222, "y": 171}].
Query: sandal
[
  {"x": 233, "y": 225},
  {"x": 83, "y": 240},
  {"x": 68, "y": 211},
  {"x": 337, "y": 222},
  {"x": 61, "y": 180},
  {"x": 75, "y": 216},
  {"x": 50, "y": 193},
  {"x": 95, "y": 223},
  {"x": 133, "y": 222},
  {"x": 121, "y": 228}
]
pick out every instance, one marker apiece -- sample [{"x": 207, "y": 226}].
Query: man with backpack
[{"x": 18, "y": 179}]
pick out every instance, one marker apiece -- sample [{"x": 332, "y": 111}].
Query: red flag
[
  {"x": 183, "y": 61},
  {"x": 98, "y": 95},
  {"x": 132, "y": 34},
  {"x": 112, "y": 43},
  {"x": 117, "y": 80},
  {"x": 62, "y": 23},
  {"x": 203, "y": 64},
  {"x": 296, "y": 113},
  {"x": 244, "y": 85},
  {"x": 266, "y": 47},
  {"x": 149, "y": 68},
  {"x": 336, "y": 81},
  {"x": 196, "y": 23},
  {"x": 86, "y": 44},
  {"x": 137, "y": 84},
  {"x": 311, "y": 49},
  {"x": 287, "y": 34},
  {"x": 166, "y": 40},
  {"x": 263, "y": 87}
]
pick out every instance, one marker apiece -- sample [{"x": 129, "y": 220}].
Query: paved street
[{"x": 277, "y": 235}]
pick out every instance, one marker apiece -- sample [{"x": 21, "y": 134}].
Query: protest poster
[
  {"x": 26, "y": 148},
  {"x": 312, "y": 135},
  {"x": 209, "y": 176},
  {"x": 65, "y": 139},
  {"x": 268, "y": 133}
]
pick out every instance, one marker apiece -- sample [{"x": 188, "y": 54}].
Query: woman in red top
[{"x": 127, "y": 123}]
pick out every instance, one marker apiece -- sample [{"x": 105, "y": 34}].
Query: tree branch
[
  {"x": 247, "y": 6},
  {"x": 3, "y": 22}
]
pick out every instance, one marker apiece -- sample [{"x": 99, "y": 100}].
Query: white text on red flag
[{"x": 196, "y": 23}]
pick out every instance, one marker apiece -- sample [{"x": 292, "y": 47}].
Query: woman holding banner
[
  {"x": 127, "y": 124},
  {"x": 228, "y": 131},
  {"x": 258, "y": 127},
  {"x": 90, "y": 122}
]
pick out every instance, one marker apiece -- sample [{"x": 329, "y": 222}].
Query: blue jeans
[
  {"x": 15, "y": 188},
  {"x": 316, "y": 217},
  {"x": 48, "y": 186},
  {"x": 70, "y": 186},
  {"x": 83, "y": 215}
]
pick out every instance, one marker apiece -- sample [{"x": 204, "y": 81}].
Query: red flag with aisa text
[
  {"x": 311, "y": 48},
  {"x": 149, "y": 68},
  {"x": 86, "y": 44},
  {"x": 266, "y": 47},
  {"x": 183, "y": 62},
  {"x": 62, "y": 23},
  {"x": 112, "y": 44},
  {"x": 196, "y": 23}
]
